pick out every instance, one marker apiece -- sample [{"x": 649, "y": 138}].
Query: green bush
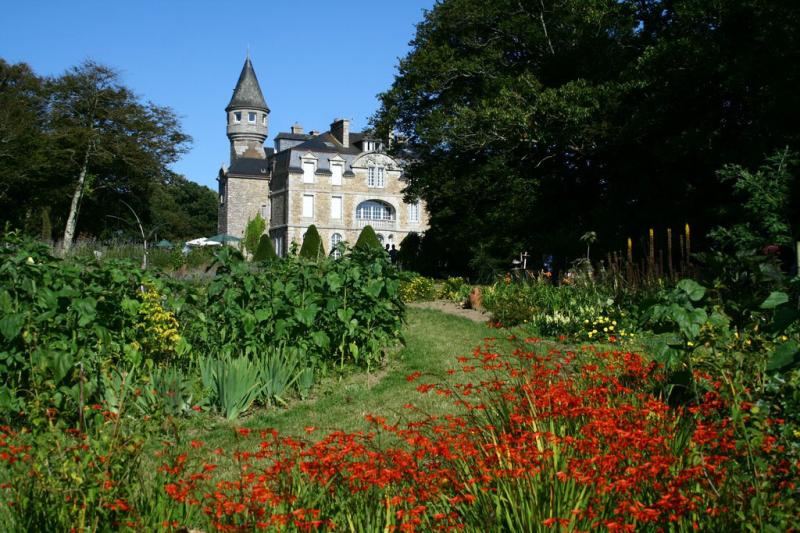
[
  {"x": 417, "y": 288},
  {"x": 312, "y": 248},
  {"x": 367, "y": 239},
  {"x": 253, "y": 232},
  {"x": 546, "y": 308},
  {"x": 265, "y": 250},
  {"x": 200, "y": 257},
  {"x": 344, "y": 310},
  {"x": 409, "y": 250},
  {"x": 63, "y": 326},
  {"x": 455, "y": 289}
]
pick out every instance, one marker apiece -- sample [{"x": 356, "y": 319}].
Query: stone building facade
[{"x": 338, "y": 180}]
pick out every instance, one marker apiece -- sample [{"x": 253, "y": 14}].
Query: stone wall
[
  {"x": 244, "y": 199},
  {"x": 353, "y": 191}
]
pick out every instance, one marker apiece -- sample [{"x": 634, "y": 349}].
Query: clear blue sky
[{"x": 316, "y": 60}]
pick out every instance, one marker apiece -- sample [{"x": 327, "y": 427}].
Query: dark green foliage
[
  {"x": 531, "y": 123},
  {"x": 769, "y": 204},
  {"x": 368, "y": 240},
  {"x": 409, "y": 251},
  {"x": 47, "y": 229},
  {"x": 265, "y": 250},
  {"x": 312, "y": 245},
  {"x": 253, "y": 232},
  {"x": 334, "y": 311},
  {"x": 63, "y": 322},
  {"x": 86, "y": 119},
  {"x": 183, "y": 209}
]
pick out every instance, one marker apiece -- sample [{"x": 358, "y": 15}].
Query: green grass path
[{"x": 433, "y": 340}]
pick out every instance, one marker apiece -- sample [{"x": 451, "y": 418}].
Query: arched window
[
  {"x": 336, "y": 238},
  {"x": 374, "y": 210}
]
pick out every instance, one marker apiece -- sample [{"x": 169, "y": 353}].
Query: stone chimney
[
  {"x": 341, "y": 130},
  {"x": 297, "y": 128}
]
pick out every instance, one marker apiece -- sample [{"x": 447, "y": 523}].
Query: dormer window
[
  {"x": 237, "y": 116},
  {"x": 376, "y": 177},
  {"x": 251, "y": 117}
]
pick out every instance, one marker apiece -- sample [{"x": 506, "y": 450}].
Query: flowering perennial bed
[
  {"x": 542, "y": 441},
  {"x": 550, "y": 441}
]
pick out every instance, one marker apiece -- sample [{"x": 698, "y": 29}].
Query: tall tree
[
  {"x": 531, "y": 122},
  {"x": 182, "y": 209},
  {"x": 105, "y": 140},
  {"x": 22, "y": 144}
]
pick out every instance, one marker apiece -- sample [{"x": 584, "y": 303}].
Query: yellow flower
[
  {"x": 614, "y": 322},
  {"x": 784, "y": 338},
  {"x": 690, "y": 344},
  {"x": 611, "y": 328}
]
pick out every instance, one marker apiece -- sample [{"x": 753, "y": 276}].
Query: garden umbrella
[
  {"x": 202, "y": 241},
  {"x": 224, "y": 238}
]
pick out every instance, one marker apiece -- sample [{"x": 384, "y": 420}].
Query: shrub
[
  {"x": 548, "y": 309},
  {"x": 455, "y": 289},
  {"x": 200, "y": 256},
  {"x": 417, "y": 288},
  {"x": 312, "y": 245},
  {"x": 409, "y": 250},
  {"x": 368, "y": 239},
  {"x": 62, "y": 325},
  {"x": 347, "y": 309},
  {"x": 265, "y": 250},
  {"x": 253, "y": 232}
]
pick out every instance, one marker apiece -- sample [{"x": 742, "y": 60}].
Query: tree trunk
[{"x": 72, "y": 219}]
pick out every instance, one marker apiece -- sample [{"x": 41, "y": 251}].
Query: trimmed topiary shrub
[
  {"x": 368, "y": 239},
  {"x": 409, "y": 250},
  {"x": 312, "y": 245},
  {"x": 252, "y": 233},
  {"x": 265, "y": 250}
]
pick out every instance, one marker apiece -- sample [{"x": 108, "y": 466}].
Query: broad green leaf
[
  {"x": 693, "y": 290},
  {"x": 785, "y": 355},
  {"x": 775, "y": 299},
  {"x": 11, "y": 325}
]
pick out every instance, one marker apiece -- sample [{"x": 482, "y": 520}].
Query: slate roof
[
  {"x": 247, "y": 93},
  {"x": 250, "y": 166},
  {"x": 325, "y": 142},
  {"x": 293, "y": 136}
]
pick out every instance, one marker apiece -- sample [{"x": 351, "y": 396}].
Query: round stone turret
[{"x": 248, "y": 116}]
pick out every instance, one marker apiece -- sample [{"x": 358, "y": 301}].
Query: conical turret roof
[{"x": 247, "y": 93}]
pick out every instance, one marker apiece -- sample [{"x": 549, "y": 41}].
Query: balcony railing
[{"x": 376, "y": 224}]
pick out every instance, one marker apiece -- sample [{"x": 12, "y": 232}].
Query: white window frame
[
  {"x": 376, "y": 177},
  {"x": 375, "y": 210},
  {"x": 264, "y": 119},
  {"x": 237, "y": 117},
  {"x": 252, "y": 116},
  {"x": 337, "y": 171},
  {"x": 336, "y": 238},
  {"x": 414, "y": 211},
  {"x": 308, "y": 177},
  {"x": 337, "y": 215},
  {"x": 308, "y": 201}
]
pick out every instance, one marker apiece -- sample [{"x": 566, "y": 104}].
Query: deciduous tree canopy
[
  {"x": 82, "y": 142},
  {"x": 529, "y": 123}
]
